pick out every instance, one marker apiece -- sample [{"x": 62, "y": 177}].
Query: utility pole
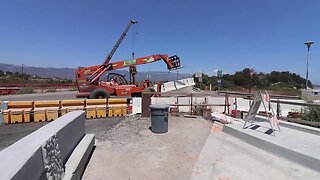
[
  {"x": 22, "y": 68},
  {"x": 219, "y": 75},
  {"x": 308, "y": 43},
  {"x": 251, "y": 79},
  {"x": 177, "y": 74}
]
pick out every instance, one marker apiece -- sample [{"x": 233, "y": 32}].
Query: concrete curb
[
  {"x": 76, "y": 163},
  {"x": 300, "y": 127},
  {"x": 296, "y": 126},
  {"x": 203, "y": 168},
  {"x": 276, "y": 149}
]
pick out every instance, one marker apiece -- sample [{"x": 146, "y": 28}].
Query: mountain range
[{"x": 68, "y": 73}]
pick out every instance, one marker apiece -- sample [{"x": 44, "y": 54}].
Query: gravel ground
[{"x": 131, "y": 151}]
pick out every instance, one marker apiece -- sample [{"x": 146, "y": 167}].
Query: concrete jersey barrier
[
  {"x": 45, "y": 152},
  {"x": 178, "y": 84}
]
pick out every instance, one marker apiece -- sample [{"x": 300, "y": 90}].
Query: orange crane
[{"x": 88, "y": 78}]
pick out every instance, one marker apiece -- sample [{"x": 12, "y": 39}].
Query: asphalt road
[
  {"x": 11, "y": 133},
  {"x": 72, "y": 95},
  {"x": 40, "y": 96}
]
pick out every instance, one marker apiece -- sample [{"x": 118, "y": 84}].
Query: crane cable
[{"x": 134, "y": 39}]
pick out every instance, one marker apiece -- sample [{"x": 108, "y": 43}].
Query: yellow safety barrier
[
  {"x": 46, "y": 110},
  {"x": 117, "y": 111},
  {"x": 15, "y": 116},
  {"x": 37, "y": 111},
  {"x": 18, "y": 112},
  {"x": 117, "y": 101},
  {"x": 96, "y": 108},
  {"x": 71, "y": 105},
  {"x": 116, "y": 107}
]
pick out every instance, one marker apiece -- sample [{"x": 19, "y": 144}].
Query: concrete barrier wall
[
  {"x": 178, "y": 84},
  {"x": 189, "y": 81},
  {"x": 169, "y": 86},
  {"x": 136, "y": 105},
  {"x": 54, "y": 142},
  {"x": 242, "y": 104},
  {"x": 184, "y": 100},
  {"x": 216, "y": 100},
  {"x": 163, "y": 100}
]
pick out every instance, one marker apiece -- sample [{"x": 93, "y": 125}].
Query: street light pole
[{"x": 308, "y": 43}]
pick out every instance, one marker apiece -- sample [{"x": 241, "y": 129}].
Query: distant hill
[
  {"x": 50, "y": 72},
  {"x": 68, "y": 73}
]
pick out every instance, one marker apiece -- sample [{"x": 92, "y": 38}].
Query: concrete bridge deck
[
  {"x": 192, "y": 149},
  {"x": 296, "y": 145},
  {"x": 132, "y": 151}
]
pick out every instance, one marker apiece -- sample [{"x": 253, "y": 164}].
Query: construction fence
[
  {"x": 287, "y": 108},
  {"x": 38, "y": 111}
]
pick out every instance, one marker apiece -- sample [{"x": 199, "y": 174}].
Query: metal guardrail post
[
  {"x": 3, "y": 106},
  {"x": 191, "y": 104},
  {"x": 236, "y": 104},
  {"x": 226, "y": 104},
  {"x": 278, "y": 108}
]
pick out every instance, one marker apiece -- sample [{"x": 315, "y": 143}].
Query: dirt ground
[{"x": 132, "y": 151}]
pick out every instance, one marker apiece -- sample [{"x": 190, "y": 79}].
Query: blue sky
[{"x": 230, "y": 35}]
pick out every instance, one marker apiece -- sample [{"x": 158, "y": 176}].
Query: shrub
[
  {"x": 51, "y": 90},
  {"x": 311, "y": 114},
  {"x": 26, "y": 90}
]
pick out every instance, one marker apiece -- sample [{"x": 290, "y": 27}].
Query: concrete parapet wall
[
  {"x": 57, "y": 140},
  {"x": 188, "y": 81},
  {"x": 136, "y": 105},
  {"x": 178, "y": 84},
  {"x": 168, "y": 86}
]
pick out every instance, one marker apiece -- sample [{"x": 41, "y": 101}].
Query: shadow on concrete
[{"x": 87, "y": 162}]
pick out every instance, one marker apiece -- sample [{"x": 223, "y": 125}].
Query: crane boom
[
  {"x": 115, "y": 47},
  {"x": 172, "y": 63}
]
